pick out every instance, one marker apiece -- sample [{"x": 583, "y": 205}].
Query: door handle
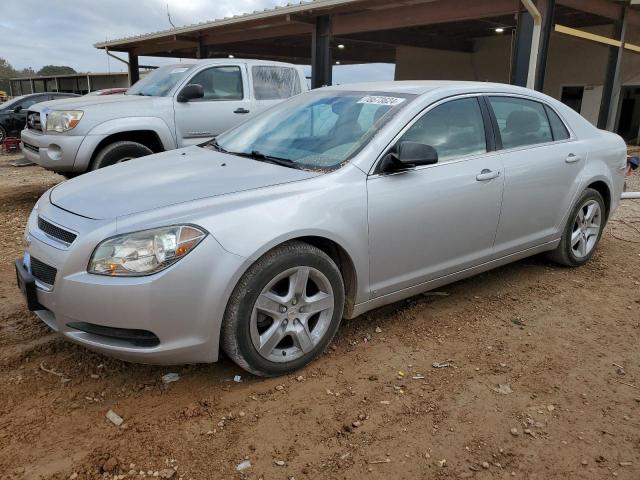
[
  {"x": 572, "y": 158},
  {"x": 487, "y": 174},
  {"x": 241, "y": 110}
]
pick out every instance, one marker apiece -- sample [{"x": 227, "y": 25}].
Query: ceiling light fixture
[
  {"x": 341, "y": 46},
  {"x": 499, "y": 30},
  {"x": 231, "y": 56},
  {"x": 338, "y": 62}
]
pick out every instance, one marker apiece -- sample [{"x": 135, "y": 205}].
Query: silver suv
[{"x": 174, "y": 106}]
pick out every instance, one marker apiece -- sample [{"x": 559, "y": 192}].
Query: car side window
[
  {"x": 455, "y": 129},
  {"x": 558, "y": 128},
  {"x": 274, "y": 83},
  {"x": 521, "y": 122},
  {"x": 27, "y": 102},
  {"x": 220, "y": 83}
]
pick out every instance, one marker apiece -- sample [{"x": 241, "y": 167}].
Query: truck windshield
[
  {"x": 161, "y": 81},
  {"x": 316, "y": 130}
]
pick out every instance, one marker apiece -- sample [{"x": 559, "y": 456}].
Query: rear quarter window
[{"x": 274, "y": 83}]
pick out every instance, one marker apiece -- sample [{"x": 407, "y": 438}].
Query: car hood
[
  {"x": 76, "y": 103},
  {"x": 165, "y": 179}
]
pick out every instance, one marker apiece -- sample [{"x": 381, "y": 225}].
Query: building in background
[
  {"x": 80, "y": 83},
  {"x": 583, "y": 52}
]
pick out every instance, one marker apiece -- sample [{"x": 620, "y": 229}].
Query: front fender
[{"x": 128, "y": 124}]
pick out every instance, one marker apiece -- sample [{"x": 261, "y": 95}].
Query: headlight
[
  {"x": 63, "y": 120},
  {"x": 145, "y": 252}
]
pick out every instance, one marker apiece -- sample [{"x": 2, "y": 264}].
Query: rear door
[
  {"x": 438, "y": 219},
  {"x": 543, "y": 163},
  {"x": 226, "y": 103}
]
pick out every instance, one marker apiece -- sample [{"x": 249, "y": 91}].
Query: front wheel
[
  {"x": 3, "y": 134},
  {"x": 284, "y": 311},
  {"x": 119, "y": 152},
  {"x": 583, "y": 230}
]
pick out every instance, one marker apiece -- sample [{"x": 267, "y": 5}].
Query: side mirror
[
  {"x": 191, "y": 92},
  {"x": 17, "y": 109},
  {"x": 408, "y": 155}
]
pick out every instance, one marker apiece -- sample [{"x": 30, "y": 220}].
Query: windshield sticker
[
  {"x": 179, "y": 70},
  {"x": 378, "y": 100}
]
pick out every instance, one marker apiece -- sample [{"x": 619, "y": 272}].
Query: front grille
[
  {"x": 56, "y": 232},
  {"x": 33, "y": 121},
  {"x": 43, "y": 272}
]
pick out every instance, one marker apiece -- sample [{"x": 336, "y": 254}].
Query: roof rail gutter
[{"x": 535, "y": 42}]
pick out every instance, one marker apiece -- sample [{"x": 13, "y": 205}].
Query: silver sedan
[{"x": 331, "y": 204}]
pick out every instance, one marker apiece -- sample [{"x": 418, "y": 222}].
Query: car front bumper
[
  {"x": 182, "y": 306},
  {"x": 60, "y": 153}
]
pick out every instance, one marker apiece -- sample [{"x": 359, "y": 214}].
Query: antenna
[{"x": 169, "y": 17}]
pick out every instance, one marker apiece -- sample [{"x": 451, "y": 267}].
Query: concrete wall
[{"x": 571, "y": 62}]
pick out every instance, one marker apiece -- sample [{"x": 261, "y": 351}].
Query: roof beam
[
  {"x": 283, "y": 30},
  {"x": 602, "y": 8},
  {"x": 409, "y": 39},
  {"x": 421, "y": 14}
]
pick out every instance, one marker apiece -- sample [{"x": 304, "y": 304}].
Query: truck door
[{"x": 226, "y": 103}]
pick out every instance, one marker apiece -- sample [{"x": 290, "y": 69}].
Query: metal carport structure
[{"x": 325, "y": 32}]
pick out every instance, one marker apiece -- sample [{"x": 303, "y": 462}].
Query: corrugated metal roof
[{"x": 302, "y": 6}]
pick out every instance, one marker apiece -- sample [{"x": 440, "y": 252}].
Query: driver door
[
  {"x": 225, "y": 104},
  {"x": 434, "y": 220}
]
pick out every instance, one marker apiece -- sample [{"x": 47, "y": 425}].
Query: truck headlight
[
  {"x": 145, "y": 252},
  {"x": 63, "y": 120}
]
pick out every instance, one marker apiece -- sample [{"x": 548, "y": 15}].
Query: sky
[{"x": 34, "y": 33}]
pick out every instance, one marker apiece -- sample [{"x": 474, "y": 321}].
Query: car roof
[
  {"x": 420, "y": 87},
  {"x": 216, "y": 61}
]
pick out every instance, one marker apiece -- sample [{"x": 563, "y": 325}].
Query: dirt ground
[{"x": 564, "y": 342}]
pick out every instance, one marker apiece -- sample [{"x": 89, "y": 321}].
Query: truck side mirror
[{"x": 191, "y": 92}]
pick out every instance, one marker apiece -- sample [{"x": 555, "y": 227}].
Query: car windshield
[
  {"x": 161, "y": 81},
  {"x": 317, "y": 130}
]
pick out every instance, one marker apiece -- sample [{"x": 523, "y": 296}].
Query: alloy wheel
[
  {"x": 586, "y": 229},
  {"x": 292, "y": 314}
]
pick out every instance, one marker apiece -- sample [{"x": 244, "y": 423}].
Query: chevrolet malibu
[{"x": 326, "y": 206}]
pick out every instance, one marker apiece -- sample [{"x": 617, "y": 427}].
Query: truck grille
[
  {"x": 43, "y": 272},
  {"x": 56, "y": 232},
  {"x": 33, "y": 121}
]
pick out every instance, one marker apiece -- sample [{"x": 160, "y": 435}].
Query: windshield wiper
[
  {"x": 214, "y": 143},
  {"x": 261, "y": 157}
]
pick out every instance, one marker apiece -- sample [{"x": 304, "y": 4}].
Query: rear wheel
[
  {"x": 583, "y": 230},
  {"x": 284, "y": 311},
  {"x": 119, "y": 152}
]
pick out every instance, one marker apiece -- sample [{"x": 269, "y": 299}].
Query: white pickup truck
[{"x": 172, "y": 107}]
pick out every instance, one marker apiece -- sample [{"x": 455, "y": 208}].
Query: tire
[
  {"x": 3, "y": 135},
  {"x": 574, "y": 255},
  {"x": 265, "y": 340},
  {"x": 118, "y": 152}
]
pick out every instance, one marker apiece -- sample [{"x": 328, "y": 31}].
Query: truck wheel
[
  {"x": 284, "y": 311},
  {"x": 119, "y": 152}
]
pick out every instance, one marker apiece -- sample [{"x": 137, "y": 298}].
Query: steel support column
[
  {"x": 548, "y": 15},
  {"x": 203, "y": 50},
  {"x": 611, "y": 89},
  {"x": 522, "y": 49},
  {"x": 321, "y": 58},
  {"x": 134, "y": 70}
]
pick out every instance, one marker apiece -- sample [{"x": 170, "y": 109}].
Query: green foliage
[{"x": 56, "y": 70}]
